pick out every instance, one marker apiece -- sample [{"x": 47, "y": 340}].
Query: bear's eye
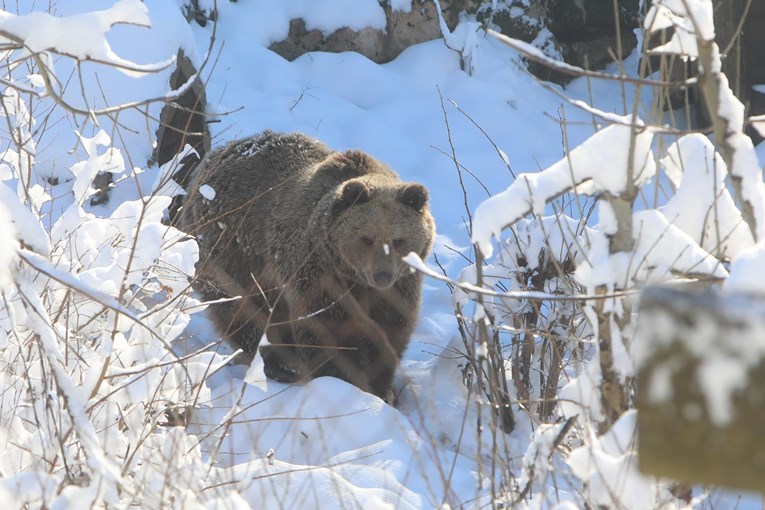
[
  {"x": 398, "y": 243},
  {"x": 367, "y": 240}
]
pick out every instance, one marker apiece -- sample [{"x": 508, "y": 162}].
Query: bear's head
[{"x": 376, "y": 221}]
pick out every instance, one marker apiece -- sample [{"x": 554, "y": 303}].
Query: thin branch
[
  {"x": 533, "y": 53},
  {"x": 414, "y": 261}
]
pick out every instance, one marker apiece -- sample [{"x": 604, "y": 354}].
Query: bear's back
[{"x": 261, "y": 162}]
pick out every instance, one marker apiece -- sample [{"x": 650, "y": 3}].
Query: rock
[
  {"x": 582, "y": 33},
  {"x": 403, "y": 29},
  {"x": 193, "y": 11},
  {"x": 369, "y": 42},
  {"x": 419, "y": 25},
  {"x": 101, "y": 183},
  {"x": 743, "y": 64},
  {"x": 754, "y": 41},
  {"x": 183, "y": 122}
]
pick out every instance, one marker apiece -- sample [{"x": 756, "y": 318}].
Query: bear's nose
[{"x": 383, "y": 277}]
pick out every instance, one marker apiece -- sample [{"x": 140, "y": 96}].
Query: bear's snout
[{"x": 383, "y": 278}]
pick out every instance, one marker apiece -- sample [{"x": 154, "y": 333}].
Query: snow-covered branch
[
  {"x": 531, "y": 52},
  {"x": 81, "y": 36},
  {"x": 596, "y": 166},
  {"x": 39, "y": 36},
  {"x": 694, "y": 36}
]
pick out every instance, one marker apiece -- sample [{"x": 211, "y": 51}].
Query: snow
[
  {"x": 719, "y": 377},
  {"x": 27, "y": 226},
  {"x": 96, "y": 457},
  {"x": 43, "y": 266},
  {"x": 272, "y": 19},
  {"x": 40, "y": 32},
  {"x": 533, "y": 51},
  {"x": 151, "y": 49},
  {"x": 749, "y": 262},
  {"x": 9, "y": 245},
  {"x": 401, "y": 5},
  {"x": 28, "y": 488},
  {"x": 693, "y": 24},
  {"x": 207, "y": 192},
  {"x": 702, "y": 206},
  {"x": 724, "y": 360},
  {"x": 85, "y": 171},
  {"x": 745, "y": 165},
  {"x": 689, "y": 18},
  {"x": 660, "y": 248},
  {"x": 597, "y": 165},
  {"x": 106, "y": 287},
  {"x": 609, "y": 466}
]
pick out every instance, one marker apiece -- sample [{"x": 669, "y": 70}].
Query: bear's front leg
[
  {"x": 281, "y": 363},
  {"x": 235, "y": 329},
  {"x": 347, "y": 355},
  {"x": 301, "y": 357}
]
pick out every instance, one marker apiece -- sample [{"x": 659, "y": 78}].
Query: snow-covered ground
[{"x": 251, "y": 442}]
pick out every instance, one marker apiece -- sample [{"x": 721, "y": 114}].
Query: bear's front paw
[{"x": 279, "y": 364}]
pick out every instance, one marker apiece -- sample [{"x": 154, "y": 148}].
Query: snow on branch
[
  {"x": 28, "y": 228},
  {"x": 661, "y": 250},
  {"x": 71, "y": 281},
  {"x": 690, "y": 19},
  {"x": 531, "y": 52},
  {"x": 8, "y": 246},
  {"x": 80, "y": 36},
  {"x": 597, "y": 165},
  {"x": 39, "y": 321},
  {"x": 702, "y": 206},
  {"x": 467, "y": 288},
  {"x": 694, "y": 37},
  {"x": 39, "y": 36},
  {"x": 464, "y": 40}
]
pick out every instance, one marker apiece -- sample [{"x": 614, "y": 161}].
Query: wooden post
[{"x": 701, "y": 387}]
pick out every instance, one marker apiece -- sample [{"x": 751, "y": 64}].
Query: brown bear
[{"x": 312, "y": 240}]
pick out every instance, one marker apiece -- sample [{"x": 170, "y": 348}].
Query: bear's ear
[
  {"x": 413, "y": 195},
  {"x": 352, "y": 193}
]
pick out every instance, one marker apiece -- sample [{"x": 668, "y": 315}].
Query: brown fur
[{"x": 299, "y": 232}]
